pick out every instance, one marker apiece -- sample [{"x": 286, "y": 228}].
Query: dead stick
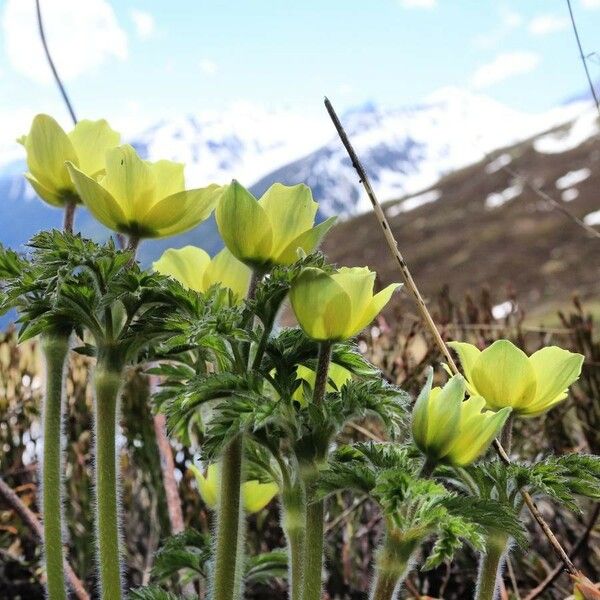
[
  {"x": 32, "y": 522},
  {"x": 426, "y": 315}
]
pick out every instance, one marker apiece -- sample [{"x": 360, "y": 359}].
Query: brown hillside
[{"x": 457, "y": 240}]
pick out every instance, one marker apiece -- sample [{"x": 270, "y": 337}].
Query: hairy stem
[
  {"x": 506, "y": 436},
  {"x": 490, "y": 568},
  {"x": 294, "y": 524},
  {"x": 55, "y": 350},
  {"x": 391, "y": 564},
  {"x": 230, "y": 525},
  {"x": 315, "y": 510},
  {"x": 108, "y": 385}
]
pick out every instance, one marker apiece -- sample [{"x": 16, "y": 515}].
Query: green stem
[
  {"x": 315, "y": 511},
  {"x": 230, "y": 526},
  {"x": 108, "y": 385},
  {"x": 293, "y": 524},
  {"x": 313, "y": 548},
  {"x": 55, "y": 350},
  {"x": 506, "y": 436},
  {"x": 490, "y": 567},
  {"x": 391, "y": 565}
]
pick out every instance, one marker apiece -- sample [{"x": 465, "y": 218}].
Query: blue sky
[{"x": 136, "y": 61}]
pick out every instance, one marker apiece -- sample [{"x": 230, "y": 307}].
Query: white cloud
[
  {"x": 506, "y": 22},
  {"x": 418, "y": 3},
  {"x": 208, "y": 66},
  {"x": 504, "y": 66},
  {"x": 590, "y": 3},
  {"x": 144, "y": 23},
  {"x": 544, "y": 24},
  {"x": 81, "y": 35}
]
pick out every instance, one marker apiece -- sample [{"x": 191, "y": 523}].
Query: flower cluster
[{"x": 267, "y": 403}]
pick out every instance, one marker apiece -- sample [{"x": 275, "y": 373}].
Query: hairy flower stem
[
  {"x": 55, "y": 349},
  {"x": 506, "y": 437},
  {"x": 391, "y": 565},
  {"x": 490, "y": 567},
  {"x": 107, "y": 381},
  {"x": 315, "y": 510},
  {"x": 228, "y": 557},
  {"x": 294, "y": 527},
  {"x": 229, "y": 546}
]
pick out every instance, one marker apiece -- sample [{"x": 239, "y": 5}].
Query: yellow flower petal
[
  {"x": 208, "y": 486},
  {"x": 307, "y": 242},
  {"x": 555, "y": 369},
  {"x": 321, "y": 305},
  {"x": 468, "y": 354},
  {"x": 374, "y": 307},
  {"x": 179, "y": 212},
  {"x": 257, "y": 495},
  {"x": 357, "y": 282},
  {"x": 476, "y": 430},
  {"x": 244, "y": 225},
  {"x": 188, "y": 265},
  {"x": 98, "y": 201},
  {"x": 91, "y": 140},
  {"x": 226, "y": 270},
  {"x": 169, "y": 178},
  {"x": 50, "y": 196},
  {"x": 504, "y": 376},
  {"x": 291, "y": 211},
  {"x": 130, "y": 181},
  {"x": 48, "y": 148}
]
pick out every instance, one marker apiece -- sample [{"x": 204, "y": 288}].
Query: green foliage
[{"x": 188, "y": 551}]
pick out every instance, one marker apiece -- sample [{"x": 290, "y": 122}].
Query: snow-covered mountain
[{"x": 403, "y": 149}]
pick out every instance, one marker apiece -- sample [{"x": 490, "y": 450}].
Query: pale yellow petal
[
  {"x": 321, "y": 305},
  {"x": 468, "y": 354},
  {"x": 50, "y": 196},
  {"x": 257, "y": 495},
  {"x": 91, "y": 140},
  {"x": 188, "y": 265},
  {"x": 374, "y": 307},
  {"x": 226, "y": 270},
  {"x": 48, "y": 148},
  {"x": 244, "y": 225},
  {"x": 291, "y": 211},
  {"x": 555, "y": 369},
  {"x": 307, "y": 242},
  {"x": 208, "y": 486},
  {"x": 358, "y": 283},
  {"x": 99, "y": 201},
  {"x": 130, "y": 181},
  {"x": 180, "y": 212},
  {"x": 504, "y": 376},
  {"x": 169, "y": 178}
]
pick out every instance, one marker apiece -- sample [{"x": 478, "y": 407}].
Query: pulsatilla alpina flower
[
  {"x": 141, "y": 198},
  {"x": 269, "y": 231},
  {"x": 193, "y": 268},
  {"x": 336, "y": 306},
  {"x": 505, "y": 376},
  {"x": 48, "y": 149},
  {"x": 255, "y": 495},
  {"x": 450, "y": 429}
]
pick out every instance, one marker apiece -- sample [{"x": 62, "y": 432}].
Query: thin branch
[
  {"x": 61, "y": 87},
  {"x": 410, "y": 283},
  {"x": 583, "y": 57},
  {"x": 555, "y": 203},
  {"x": 32, "y": 522},
  {"x": 577, "y": 547}
]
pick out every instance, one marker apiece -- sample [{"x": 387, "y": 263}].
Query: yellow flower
[
  {"x": 505, "y": 376},
  {"x": 337, "y": 376},
  {"x": 269, "y": 231},
  {"x": 448, "y": 428},
  {"x": 48, "y": 149},
  {"x": 336, "y": 306},
  {"x": 193, "y": 268},
  {"x": 255, "y": 495},
  {"x": 143, "y": 199}
]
